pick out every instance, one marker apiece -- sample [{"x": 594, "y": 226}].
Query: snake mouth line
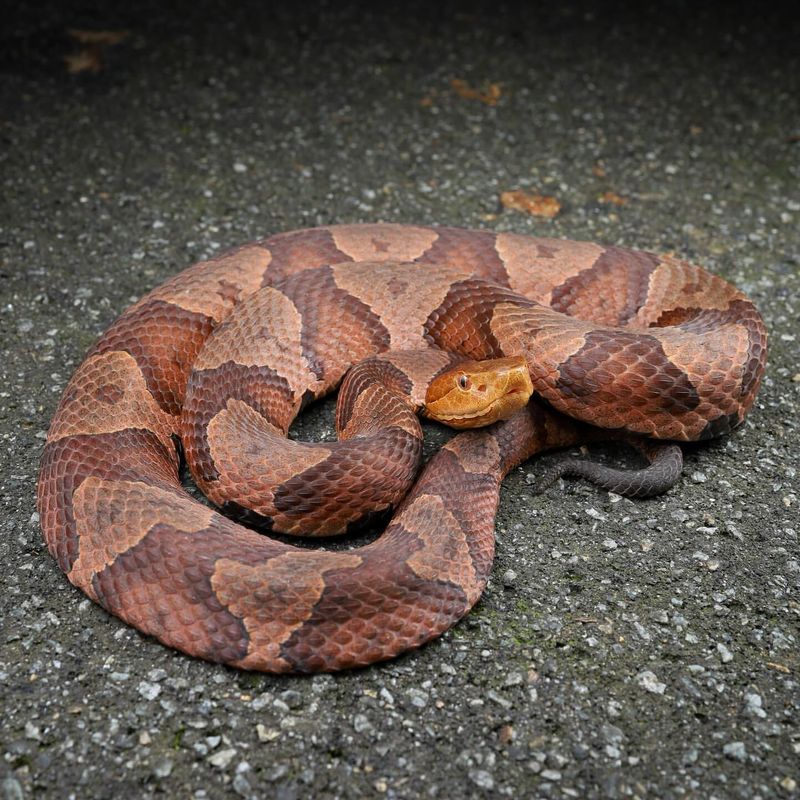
[{"x": 482, "y": 412}]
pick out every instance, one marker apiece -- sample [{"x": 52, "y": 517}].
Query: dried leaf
[
  {"x": 90, "y": 57},
  {"x": 505, "y": 734},
  {"x": 86, "y": 60},
  {"x": 537, "y": 205},
  {"x": 489, "y": 96},
  {"x": 97, "y": 37},
  {"x": 599, "y": 170},
  {"x": 779, "y": 667},
  {"x": 613, "y": 198}
]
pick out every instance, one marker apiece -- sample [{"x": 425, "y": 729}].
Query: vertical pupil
[{"x": 462, "y": 381}]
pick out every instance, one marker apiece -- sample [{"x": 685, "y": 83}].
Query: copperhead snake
[{"x": 221, "y": 358}]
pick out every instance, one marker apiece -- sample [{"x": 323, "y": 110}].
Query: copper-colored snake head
[{"x": 478, "y": 393}]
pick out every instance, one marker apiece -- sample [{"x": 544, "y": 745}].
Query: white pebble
[
  {"x": 551, "y": 774},
  {"x": 752, "y": 705},
  {"x": 725, "y": 655},
  {"x": 222, "y": 758},
  {"x": 648, "y": 680},
  {"x": 149, "y": 690},
  {"x": 482, "y": 778},
  {"x": 610, "y": 544},
  {"x": 735, "y": 750}
]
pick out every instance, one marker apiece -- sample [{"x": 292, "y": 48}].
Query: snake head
[{"x": 477, "y": 393}]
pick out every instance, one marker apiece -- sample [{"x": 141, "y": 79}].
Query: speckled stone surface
[{"x": 622, "y": 649}]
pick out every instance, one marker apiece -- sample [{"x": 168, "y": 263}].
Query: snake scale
[{"x": 217, "y": 362}]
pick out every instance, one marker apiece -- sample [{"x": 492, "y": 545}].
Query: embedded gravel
[{"x": 622, "y": 649}]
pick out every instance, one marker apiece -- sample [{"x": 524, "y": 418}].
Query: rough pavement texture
[{"x": 623, "y": 649}]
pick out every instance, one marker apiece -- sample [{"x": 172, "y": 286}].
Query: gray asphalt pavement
[{"x": 623, "y": 649}]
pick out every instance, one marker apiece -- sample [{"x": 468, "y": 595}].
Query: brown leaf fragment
[
  {"x": 599, "y": 169},
  {"x": 97, "y": 37},
  {"x": 505, "y": 734},
  {"x": 613, "y": 198},
  {"x": 779, "y": 667},
  {"x": 489, "y": 96},
  {"x": 537, "y": 205},
  {"x": 88, "y": 59}
]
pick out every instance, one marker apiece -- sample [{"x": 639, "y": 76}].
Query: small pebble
[
  {"x": 277, "y": 772},
  {"x": 513, "y": 679},
  {"x": 648, "y": 680},
  {"x": 499, "y": 699},
  {"x": 417, "y": 698},
  {"x": 752, "y": 705},
  {"x": 149, "y": 690},
  {"x": 388, "y": 697},
  {"x": 32, "y": 732},
  {"x": 612, "y": 734},
  {"x": 12, "y": 789},
  {"x": 725, "y": 655},
  {"x": 482, "y": 778},
  {"x": 222, "y": 758},
  {"x": 361, "y": 723},
  {"x": 735, "y": 751},
  {"x": 292, "y": 698},
  {"x": 162, "y": 768},
  {"x": 242, "y": 786}
]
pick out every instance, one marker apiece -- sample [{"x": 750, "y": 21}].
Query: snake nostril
[{"x": 482, "y": 387}]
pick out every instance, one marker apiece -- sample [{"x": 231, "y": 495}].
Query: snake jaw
[{"x": 478, "y": 393}]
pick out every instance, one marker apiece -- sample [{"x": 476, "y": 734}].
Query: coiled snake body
[{"x": 614, "y": 339}]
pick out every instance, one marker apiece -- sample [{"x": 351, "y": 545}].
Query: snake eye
[{"x": 464, "y": 381}]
